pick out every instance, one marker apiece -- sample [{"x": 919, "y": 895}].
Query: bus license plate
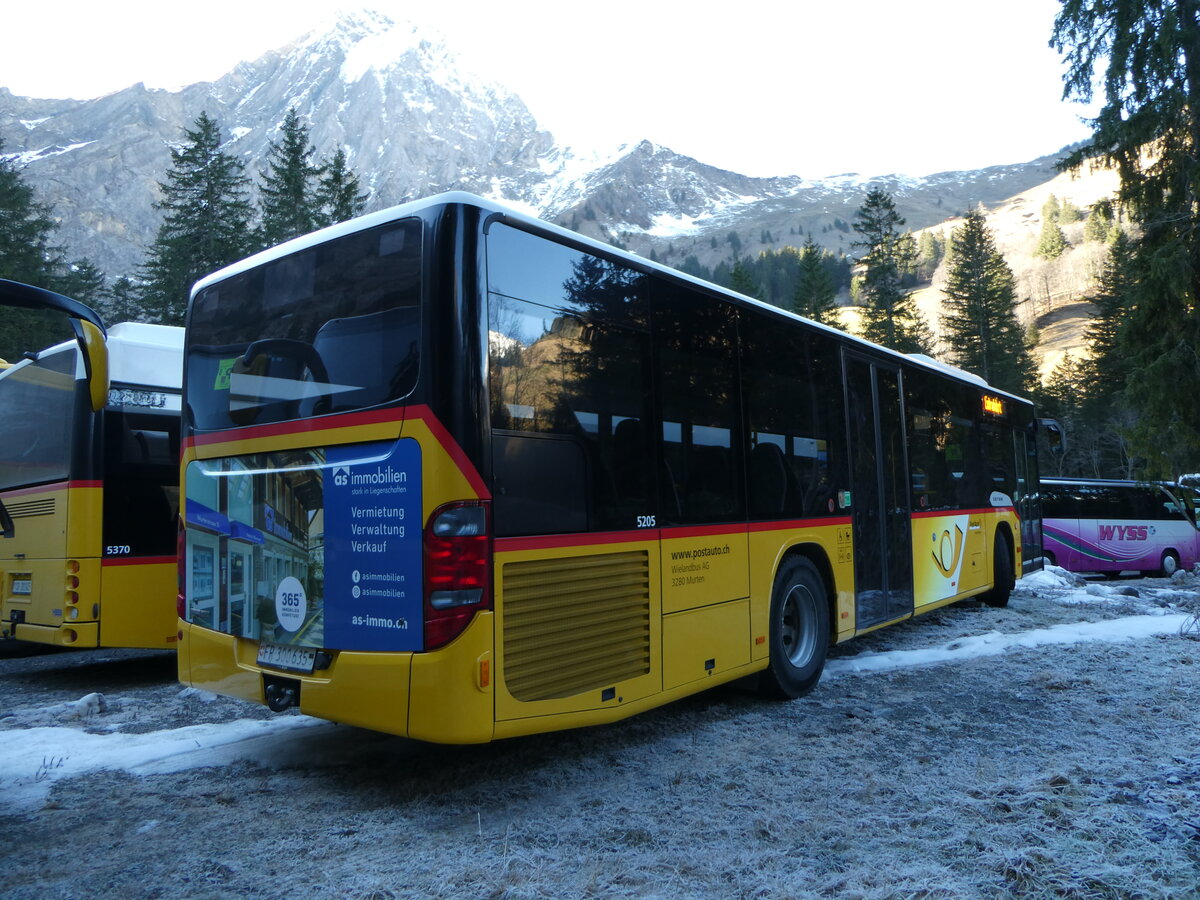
[
  {"x": 294, "y": 659},
  {"x": 22, "y": 586}
]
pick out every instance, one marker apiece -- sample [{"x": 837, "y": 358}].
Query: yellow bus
[
  {"x": 89, "y": 483},
  {"x": 454, "y": 473}
]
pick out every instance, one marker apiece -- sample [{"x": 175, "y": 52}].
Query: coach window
[
  {"x": 1001, "y": 462},
  {"x": 530, "y": 267},
  {"x": 941, "y": 441},
  {"x": 569, "y": 391},
  {"x": 697, "y": 367},
  {"x": 794, "y": 419},
  {"x": 38, "y": 400}
]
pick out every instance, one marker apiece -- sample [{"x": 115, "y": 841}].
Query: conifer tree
[
  {"x": 1051, "y": 242},
  {"x": 206, "y": 223},
  {"x": 1062, "y": 398},
  {"x": 816, "y": 295},
  {"x": 29, "y": 255},
  {"x": 120, "y": 302},
  {"x": 1146, "y": 59},
  {"x": 1069, "y": 213},
  {"x": 339, "y": 194},
  {"x": 1106, "y": 416},
  {"x": 1109, "y": 366},
  {"x": 889, "y": 316},
  {"x": 742, "y": 281},
  {"x": 1099, "y": 221},
  {"x": 82, "y": 281},
  {"x": 929, "y": 255},
  {"x": 1050, "y": 209},
  {"x": 980, "y": 320},
  {"x": 26, "y": 230},
  {"x": 287, "y": 191}
]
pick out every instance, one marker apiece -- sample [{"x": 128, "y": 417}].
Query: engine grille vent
[
  {"x": 576, "y": 624},
  {"x": 43, "y": 506}
]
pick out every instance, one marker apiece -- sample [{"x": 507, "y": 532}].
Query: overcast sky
[{"x": 761, "y": 88}]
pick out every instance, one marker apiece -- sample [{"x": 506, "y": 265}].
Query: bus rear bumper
[
  {"x": 79, "y": 635},
  {"x": 452, "y": 703}
]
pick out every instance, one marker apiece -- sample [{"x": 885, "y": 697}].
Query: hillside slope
[{"x": 1052, "y": 293}]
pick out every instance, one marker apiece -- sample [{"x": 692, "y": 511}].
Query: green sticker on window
[{"x": 224, "y": 367}]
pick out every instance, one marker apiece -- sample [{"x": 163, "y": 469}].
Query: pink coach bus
[{"x": 1118, "y": 526}]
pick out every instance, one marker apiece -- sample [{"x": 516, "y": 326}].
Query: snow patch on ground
[
  {"x": 1129, "y": 628},
  {"x": 44, "y": 751},
  {"x": 35, "y": 758}
]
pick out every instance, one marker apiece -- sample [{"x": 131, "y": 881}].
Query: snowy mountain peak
[
  {"x": 415, "y": 121},
  {"x": 347, "y": 28},
  {"x": 374, "y": 42}
]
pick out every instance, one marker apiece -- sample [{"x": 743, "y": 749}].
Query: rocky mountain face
[{"x": 414, "y": 124}]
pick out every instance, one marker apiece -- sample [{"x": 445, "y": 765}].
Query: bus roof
[
  {"x": 371, "y": 220},
  {"x": 1069, "y": 479},
  {"x": 146, "y": 354},
  {"x": 139, "y": 354}
]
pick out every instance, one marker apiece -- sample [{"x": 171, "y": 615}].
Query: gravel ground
[{"x": 1069, "y": 771}]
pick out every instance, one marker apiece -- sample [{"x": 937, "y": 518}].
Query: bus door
[
  {"x": 1028, "y": 500},
  {"x": 880, "y": 497}
]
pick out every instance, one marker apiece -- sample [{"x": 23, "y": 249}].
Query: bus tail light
[{"x": 458, "y": 570}]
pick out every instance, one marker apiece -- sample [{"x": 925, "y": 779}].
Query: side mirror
[
  {"x": 1055, "y": 438},
  {"x": 95, "y": 361}
]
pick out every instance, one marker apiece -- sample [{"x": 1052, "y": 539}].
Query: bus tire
[
  {"x": 1170, "y": 564},
  {"x": 1002, "y": 574},
  {"x": 799, "y": 633}
]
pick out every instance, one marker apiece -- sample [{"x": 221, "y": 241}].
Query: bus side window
[
  {"x": 540, "y": 480},
  {"x": 697, "y": 376},
  {"x": 945, "y": 450},
  {"x": 571, "y": 374},
  {"x": 796, "y": 433}
]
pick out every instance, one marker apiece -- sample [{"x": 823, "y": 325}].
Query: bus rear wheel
[
  {"x": 1003, "y": 579},
  {"x": 1170, "y": 564},
  {"x": 799, "y": 634}
]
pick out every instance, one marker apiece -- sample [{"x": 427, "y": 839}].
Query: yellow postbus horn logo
[{"x": 947, "y": 554}]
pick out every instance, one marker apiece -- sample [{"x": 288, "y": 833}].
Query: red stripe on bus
[
  {"x": 558, "y": 541},
  {"x": 350, "y": 420},
  {"x": 792, "y": 524},
  {"x": 455, "y": 452},
  {"x": 53, "y": 486},
  {"x": 690, "y": 531},
  {"x": 40, "y": 489},
  {"x": 138, "y": 561}
]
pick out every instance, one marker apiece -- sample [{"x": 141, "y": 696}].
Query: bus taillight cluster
[{"x": 457, "y": 569}]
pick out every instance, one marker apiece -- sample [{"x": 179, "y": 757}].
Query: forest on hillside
[{"x": 1123, "y": 399}]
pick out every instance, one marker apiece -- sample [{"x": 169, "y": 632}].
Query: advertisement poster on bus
[
  {"x": 373, "y": 537},
  {"x": 258, "y": 531}
]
